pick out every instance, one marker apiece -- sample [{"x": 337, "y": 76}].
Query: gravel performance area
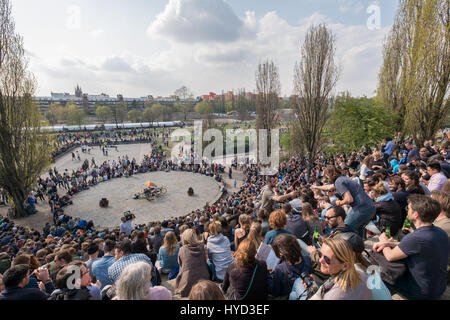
[{"x": 120, "y": 192}]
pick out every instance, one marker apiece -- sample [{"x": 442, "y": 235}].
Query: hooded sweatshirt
[{"x": 219, "y": 253}]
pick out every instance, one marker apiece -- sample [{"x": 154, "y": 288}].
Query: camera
[{"x": 128, "y": 215}]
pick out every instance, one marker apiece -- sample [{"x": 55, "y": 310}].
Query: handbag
[
  {"x": 390, "y": 271},
  {"x": 233, "y": 294}
]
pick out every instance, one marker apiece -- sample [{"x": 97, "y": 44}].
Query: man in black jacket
[{"x": 16, "y": 279}]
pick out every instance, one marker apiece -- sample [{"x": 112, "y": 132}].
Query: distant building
[{"x": 91, "y": 102}]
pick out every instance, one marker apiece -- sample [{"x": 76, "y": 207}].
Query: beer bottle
[
  {"x": 388, "y": 232},
  {"x": 316, "y": 235},
  {"x": 407, "y": 223}
]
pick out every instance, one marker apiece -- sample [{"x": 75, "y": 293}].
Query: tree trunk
[{"x": 18, "y": 198}]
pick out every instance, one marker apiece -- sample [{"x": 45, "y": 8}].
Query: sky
[{"x": 153, "y": 47}]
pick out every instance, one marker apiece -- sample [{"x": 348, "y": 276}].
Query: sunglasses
[
  {"x": 328, "y": 218},
  {"x": 327, "y": 260}
]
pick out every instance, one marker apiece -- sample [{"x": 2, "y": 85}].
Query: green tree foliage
[
  {"x": 134, "y": 115},
  {"x": 358, "y": 122},
  {"x": 75, "y": 115},
  {"x": 185, "y": 100},
  {"x": 24, "y": 149},
  {"x": 54, "y": 113},
  {"x": 414, "y": 78},
  {"x": 204, "y": 108},
  {"x": 103, "y": 113},
  {"x": 119, "y": 112},
  {"x": 147, "y": 115},
  {"x": 161, "y": 112}
]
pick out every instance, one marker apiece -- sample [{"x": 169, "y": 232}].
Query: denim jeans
[{"x": 358, "y": 218}]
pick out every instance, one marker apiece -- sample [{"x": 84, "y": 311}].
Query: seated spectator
[
  {"x": 246, "y": 278},
  {"x": 438, "y": 179},
  {"x": 242, "y": 232},
  {"x": 156, "y": 240},
  {"x": 312, "y": 222},
  {"x": 291, "y": 266},
  {"x": 31, "y": 261},
  {"x": 92, "y": 251},
  {"x": 295, "y": 223},
  {"x": 425, "y": 252},
  {"x": 100, "y": 266},
  {"x": 192, "y": 261},
  {"x": 16, "y": 278},
  {"x": 219, "y": 251},
  {"x": 388, "y": 211},
  {"x": 124, "y": 257},
  {"x": 80, "y": 289},
  {"x": 397, "y": 188},
  {"x": 345, "y": 282},
  {"x": 206, "y": 290},
  {"x": 135, "y": 284},
  {"x": 168, "y": 253},
  {"x": 443, "y": 219},
  {"x": 263, "y": 218},
  {"x": 255, "y": 234},
  {"x": 277, "y": 221},
  {"x": 412, "y": 183}
]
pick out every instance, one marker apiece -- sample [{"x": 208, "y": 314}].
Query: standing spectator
[
  {"x": 362, "y": 208},
  {"x": 192, "y": 261},
  {"x": 412, "y": 152},
  {"x": 388, "y": 149},
  {"x": 426, "y": 252}
]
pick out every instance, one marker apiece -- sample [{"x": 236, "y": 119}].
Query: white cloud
[
  {"x": 192, "y": 21},
  {"x": 98, "y": 33},
  {"x": 352, "y": 6}
]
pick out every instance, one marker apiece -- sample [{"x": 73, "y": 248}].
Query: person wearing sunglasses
[
  {"x": 334, "y": 217},
  {"x": 337, "y": 259}
]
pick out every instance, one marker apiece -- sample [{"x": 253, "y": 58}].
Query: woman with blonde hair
[
  {"x": 364, "y": 170},
  {"x": 206, "y": 290},
  {"x": 242, "y": 232},
  {"x": 255, "y": 234},
  {"x": 168, "y": 253},
  {"x": 135, "y": 284},
  {"x": 192, "y": 262},
  {"x": 219, "y": 250},
  {"x": 345, "y": 282}
]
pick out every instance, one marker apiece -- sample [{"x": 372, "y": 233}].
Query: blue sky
[{"x": 143, "y": 47}]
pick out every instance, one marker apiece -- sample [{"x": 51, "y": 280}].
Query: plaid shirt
[{"x": 115, "y": 270}]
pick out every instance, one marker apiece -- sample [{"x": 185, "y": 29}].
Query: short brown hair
[
  {"x": 397, "y": 180},
  {"x": 277, "y": 220},
  {"x": 444, "y": 200},
  {"x": 427, "y": 208},
  {"x": 332, "y": 172},
  {"x": 64, "y": 254}
]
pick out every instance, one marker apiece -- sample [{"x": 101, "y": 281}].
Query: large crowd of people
[{"x": 316, "y": 219}]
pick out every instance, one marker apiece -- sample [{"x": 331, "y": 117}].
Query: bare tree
[
  {"x": 315, "y": 77},
  {"x": 268, "y": 89},
  {"x": 185, "y": 100},
  {"x": 24, "y": 149}
]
